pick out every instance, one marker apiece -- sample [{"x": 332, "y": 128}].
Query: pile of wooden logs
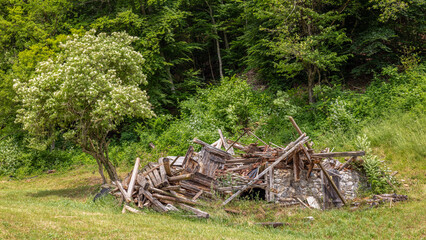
[{"x": 181, "y": 181}]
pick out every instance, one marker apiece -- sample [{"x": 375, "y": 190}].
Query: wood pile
[{"x": 182, "y": 181}]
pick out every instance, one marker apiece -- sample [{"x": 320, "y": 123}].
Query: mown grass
[{"x": 59, "y": 206}]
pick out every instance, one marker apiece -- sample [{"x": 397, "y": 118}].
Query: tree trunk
[
  {"x": 101, "y": 171},
  {"x": 103, "y": 161},
  {"x": 219, "y": 58},
  {"x": 311, "y": 77}
]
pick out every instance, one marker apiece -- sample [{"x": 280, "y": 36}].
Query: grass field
[{"x": 59, "y": 206}]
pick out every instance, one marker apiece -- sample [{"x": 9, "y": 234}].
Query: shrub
[
  {"x": 378, "y": 174},
  {"x": 12, "y": 158},
  {"x": 230, "y": 106}
]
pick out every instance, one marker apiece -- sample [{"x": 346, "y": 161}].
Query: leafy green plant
[
  {"x": 378, "y": 174},
  {"x": 85, "y": 93},
  {"x": 11, "y": 157}
]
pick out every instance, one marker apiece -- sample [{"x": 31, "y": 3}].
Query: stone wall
[{"x": 286, "y": 187}]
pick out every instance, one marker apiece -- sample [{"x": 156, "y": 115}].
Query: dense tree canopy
[{"x": 186, "y": 46}]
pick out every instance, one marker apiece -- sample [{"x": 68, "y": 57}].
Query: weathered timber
[
  {"x": 172, "y": 188},
  {"x": 181, "y": 177},
  {"x": 163, "y": 173},
  {"x": 319, "y": 164},
  {"x": 242, "y": 160},
  {"x": 238, "y": 168},
  {"x": 153, "y": 200},
  {"x": 232, "y": 143},
  {"x": 130, "y": 209},
  {"x": 283, "y": 156},
  {"x": 296, "y": 169},
  {"x": 174, "y": 160},
  {"x": 151, "y": 175},
  {"x": 196, "y": 211},
  {"x": 271, "y": 184},
  {"x": 346, "y": 163},
  {"x": 298, "y": 130},
  {"x": 211, "y": 149},
  {"x": 166, "y": 162},
  {"x": 123, "y": 192},
  {"x": 336, "y": 189},
  {"x": 170, "y": 207},
  {"x": 188, "y": 156},
  {"x": 174, "y": 199},
  {"x": 133, "y": 178},
  {"x": 258, "y": 138},
  {"x": 339, "y": 154},
  {"x": 197, "y": 195},
  {"x": 228, "y": 148}
]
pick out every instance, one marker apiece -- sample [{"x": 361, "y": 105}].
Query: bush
[
  {"x": 12, "y": 158},
  {"x": 17, "y": 160},
  {"x": 230, "y": 106},
  {"x": 378, "y": 174}
]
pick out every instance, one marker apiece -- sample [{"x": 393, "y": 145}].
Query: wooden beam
[
  {"x": 214, "y": 150},
  {"x": 166, "y": 163},
  {"x": 225, "y": 144},
  {"x": 319, "y": 164},
  {"x": 339, "y": 154},
  {"x": 301, "y": 140},
  {"x": 181, "y": 177},
  {"x": 133, "y": 179},
  {"x": 196, "y": 211}
]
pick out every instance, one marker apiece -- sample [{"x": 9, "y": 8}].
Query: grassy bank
[{"x": 59, "y": 206}]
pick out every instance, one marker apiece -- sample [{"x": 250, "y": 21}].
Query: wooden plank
[
  {"x": 300, "y": 141},
  {"x": 347, "y": 163},
  {"x": 196, "y": 211},
  {"x": 339, "y": 154},
  {"x": 163, "y": 174},
  {"x": 188, "y": 156},
  {"x": 151, "y": 175},
  {"x": 156, "y": 175},
  {"x": 123, "y": 192},
  {"x": 215, "y": 158},
  {"x": 175, "y": 199},
  {"x": 181, "y": 177},
  {"x": 166, "y": 162},
  {"x": 133, "y": 178},
  {"x": 298, "y": 130},
  {"x": 153, "y": 200},
  {"x": 214, "y": 150},
  {"x": 141, "y": 181},
  {"x": 219, "y": 144},
  {"x": 225, "y": 144},
  {"x": 296, "y": 169},
  {"x": 271, "y": 184},
  {"x": 266, "y": 177},
  {"x": 319, "y": 164},
  {"x": 197, "y": 195}
]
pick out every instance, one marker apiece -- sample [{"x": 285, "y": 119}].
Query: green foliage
[
  {"x": 87, "y": 90},
  {"x": 230, "y": 106},
  {"x": 11, "y": 157},
  {"x": 378, "y": 174},
  {"x": 18, "y": 161}
]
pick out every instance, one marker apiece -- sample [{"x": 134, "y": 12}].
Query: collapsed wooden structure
[{"x": 213, "y": 173}]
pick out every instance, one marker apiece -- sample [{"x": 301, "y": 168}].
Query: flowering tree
[{"x": 85, "y": 92}]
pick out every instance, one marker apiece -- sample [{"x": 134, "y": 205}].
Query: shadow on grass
[{"x": 81, "y": 192}]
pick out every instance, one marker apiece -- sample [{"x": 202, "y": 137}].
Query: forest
[
  {"x": 335, "y": 66},
  {"x": 97, "y": 83}
]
